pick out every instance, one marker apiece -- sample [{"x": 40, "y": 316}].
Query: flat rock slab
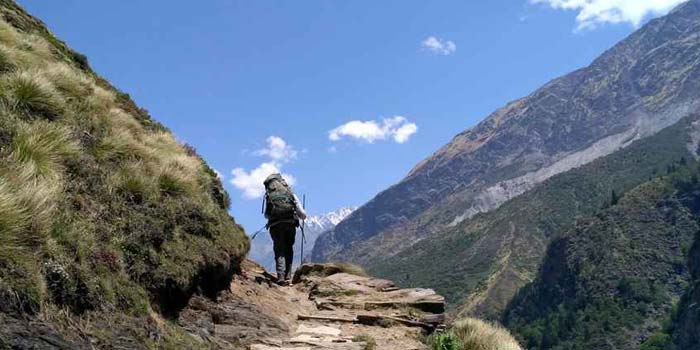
[
  {"x": 327, "y": 310},
  {"x": 315, "y": 346},
  {"x": 320, "y": 330},
  {"x": 353, "y": 282},
  {"x": 268, "y": 347}
]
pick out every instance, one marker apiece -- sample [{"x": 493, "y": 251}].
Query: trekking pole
[
  {"x": 257, "y": 232},
  {"x": 303, "y": 224}
]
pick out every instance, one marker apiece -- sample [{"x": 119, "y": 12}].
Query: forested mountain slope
[
  {"x": 481, "y": 263},
  {"x": 612, "y": 281}
]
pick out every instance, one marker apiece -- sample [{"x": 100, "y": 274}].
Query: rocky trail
[{"x": 326, "y": 308}]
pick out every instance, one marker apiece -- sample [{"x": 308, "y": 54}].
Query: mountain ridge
[{"x": 499, "y": 158}]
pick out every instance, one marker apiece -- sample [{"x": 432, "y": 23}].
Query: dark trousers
[{"x": 283, "y": 236}]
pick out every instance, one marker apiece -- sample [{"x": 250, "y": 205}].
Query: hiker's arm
[
  {"x": 301, "y": 214},
  {"x": 265, "y": 208}
]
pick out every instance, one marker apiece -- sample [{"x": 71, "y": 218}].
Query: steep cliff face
[
  {"x": 104, "y": 216},
  {"x": 645, "y": 83}
]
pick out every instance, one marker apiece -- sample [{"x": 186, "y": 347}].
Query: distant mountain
[
  {"x": 319, "y": 224},
  {"x": 484, "y": 261},
  {"x": 322, "y": 223},
  {"x": 489, "y": 202},
  {"x": 643, "y": 84},
  {"x": 261, "y": 251}
]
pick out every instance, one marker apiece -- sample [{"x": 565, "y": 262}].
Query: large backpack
[{"x": 279, "y": 199}]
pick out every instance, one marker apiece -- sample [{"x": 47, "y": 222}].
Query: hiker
[{"x": 283, "y": 212}]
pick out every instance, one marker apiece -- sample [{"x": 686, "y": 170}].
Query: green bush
[
  {"x": 445, "y": 341},
  {"x": 658, "y": 341}
]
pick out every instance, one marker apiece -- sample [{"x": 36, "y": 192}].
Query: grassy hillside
[
  {"x": 102, "y": 211},
  {"x": 484, "y": 261},
  {"x": 611, "y": 282}
]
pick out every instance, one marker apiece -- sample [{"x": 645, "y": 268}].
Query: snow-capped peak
[{"x": 327, "y": 221}]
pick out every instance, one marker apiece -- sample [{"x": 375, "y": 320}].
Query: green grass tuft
[
  {"x": 370, "y": 343},
  {"x": 31, "y": 95},
  {"x": 473, "y": 334}
]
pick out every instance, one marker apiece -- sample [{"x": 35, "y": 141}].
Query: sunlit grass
[
  {"x": 69, "y": 82},
  {"x": 473, "y": 334},
  {"x": 97, "y": 206},
  {"x": 30, "y": 94},
  {"x": 42, "y": 146}
]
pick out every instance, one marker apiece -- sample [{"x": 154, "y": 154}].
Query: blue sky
[{"x": 226, "y": 76}]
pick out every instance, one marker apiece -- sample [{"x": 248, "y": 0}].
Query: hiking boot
[{"x": 283, "y": 283}]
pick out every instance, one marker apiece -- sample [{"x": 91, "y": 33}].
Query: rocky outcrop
[
  {"x": 642, "y": 85},
  {"x": 326, "y": 308}
]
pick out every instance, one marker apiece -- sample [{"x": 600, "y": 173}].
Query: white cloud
[
  {"x": 398, "y": 128},
  {"x": 403, "y": 133},
  {"x": 278, "y": 150},
  {"x": 219, "y": 174},
  {"x": 439, "y": 46},
  {"x": 250, "y": 183},
  {"x": 594, "y": 12}
]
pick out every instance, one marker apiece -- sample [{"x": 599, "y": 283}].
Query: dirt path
[{"x": 325, "y": 309}]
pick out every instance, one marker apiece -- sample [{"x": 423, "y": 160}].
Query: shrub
[
  {"x": 658, "y": 341},
  {"x": 445, "y": 341},
  {"x": 473, "y": 334}
]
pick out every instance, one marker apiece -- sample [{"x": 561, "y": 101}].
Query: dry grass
[
  {"x": 32, "y": 181},
  {"x": 351, "y": 269},
  {"x": 43, "y": 147},
  {"x": 30, "y": 94},
  {"x": 479, "y": 335},
  {"x": 70, "y": 82},
  {"x": 6, "y": 62},
  {"x": 8, "y": 34}
]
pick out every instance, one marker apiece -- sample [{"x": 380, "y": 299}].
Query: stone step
[
  {"x": 315, "y": 346},
  {"x": 319, "y": 330}
]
